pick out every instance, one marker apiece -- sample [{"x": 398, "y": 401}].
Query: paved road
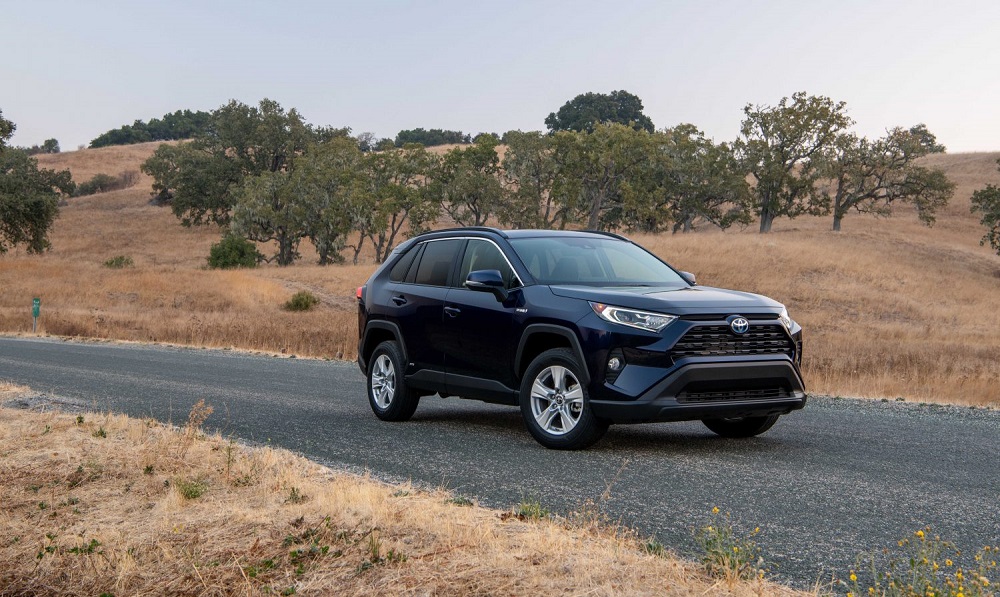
[{"x": 827, "y": 482}]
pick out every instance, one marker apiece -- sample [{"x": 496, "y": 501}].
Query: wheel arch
[
  {"x": 539, "y": 337},
  {"x": 377, "y": 332}
]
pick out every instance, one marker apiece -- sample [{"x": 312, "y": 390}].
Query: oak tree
[
  {"x": 986, "y": 202},
  {"x": 587, "y": 110},
  {"x": 869, "y": 176},
  {"x": 781, "y": 146}
]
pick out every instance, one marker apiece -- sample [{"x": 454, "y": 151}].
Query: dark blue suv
[{"x": 579, "y": 329}]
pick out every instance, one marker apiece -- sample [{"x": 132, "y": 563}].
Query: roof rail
[
  {"x": 605, "y": 233},
  {"x": 471, "y": 228}
]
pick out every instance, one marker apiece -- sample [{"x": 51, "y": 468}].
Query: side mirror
[
  {"x": 688, "y": 277},
  {"x": 487, "y": 280}
]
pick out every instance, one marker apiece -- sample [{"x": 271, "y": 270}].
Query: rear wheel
[
  {"x": 388, "y": 395},
  {"x": 741, "y": 426},
  {"x": 555, "y": 404}
]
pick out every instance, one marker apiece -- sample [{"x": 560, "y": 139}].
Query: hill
[{"x": 890, "y": 308}]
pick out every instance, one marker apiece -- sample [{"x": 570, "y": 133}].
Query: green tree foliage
[
  {"x": 693, "y": 179},
  {"x": 267, "y": 210},
  {"x": 49, "y": 146},
  {"x": 529, "y": 173},
  {"x": 585, "y": 111},
  {"x": 397, "y": 193},
  {"x": 200, "y": 179},
  {"x": 196, "y": 181},
  {"x": 987, "y": 203},
  {"x": 782, "y": 146},
  {"x": 177, "y": 125},
  {"x": 326, "y": 182},
  {"x": 29, "y": 198},
  {"x": 233, "y": 251},
  {"x": 7, "y": 129},
  {"x": 601, "y": 173},
  {"x": 468, "y": 182},
  {"x": 431, "y": 137},
  {"x": 869, "y": 176}
]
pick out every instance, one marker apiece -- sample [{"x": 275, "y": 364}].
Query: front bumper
[{"x": 703, "y": 390}]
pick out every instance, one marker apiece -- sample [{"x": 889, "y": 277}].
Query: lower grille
[
  {"x": 727, "y": 395},
  {"x": 720, "y": 341}
]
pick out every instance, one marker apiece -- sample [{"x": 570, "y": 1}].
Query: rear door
[{"x": 417, "y": 303}]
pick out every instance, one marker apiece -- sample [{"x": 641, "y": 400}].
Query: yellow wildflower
[
  {"x": 919, "y": 534},
  {"x": 736, "y": 549},
  {"x": 854, "y": 577},
  {"x": 715, "y": 510},
  {"x": 947, "y": 562}
]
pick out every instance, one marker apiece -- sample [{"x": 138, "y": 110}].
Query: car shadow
[{"x": 496, "y": 423}]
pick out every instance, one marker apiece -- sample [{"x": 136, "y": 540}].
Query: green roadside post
[{"x": 36, "y": 309}]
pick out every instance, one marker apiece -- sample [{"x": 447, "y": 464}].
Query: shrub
[
  {"x": 102, "y": 183},
  {"x": 119, "y": 262},
  {"x": 302, "y": 300},
  {"x": 925, "y": 565},
  {"x": 726, "y": 553},
  {"x": 233, "y": 251}
]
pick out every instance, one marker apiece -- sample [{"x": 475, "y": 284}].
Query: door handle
[
  {"x": 452, "y": 311},
  {"x": 399, "y": 300}
]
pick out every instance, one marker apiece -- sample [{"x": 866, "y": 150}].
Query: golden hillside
[{"x": 890, "y": 307}]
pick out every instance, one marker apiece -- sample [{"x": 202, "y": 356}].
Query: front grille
[
  {"x": 720, "y": 341},
  {"x": 726, "y": 395}
]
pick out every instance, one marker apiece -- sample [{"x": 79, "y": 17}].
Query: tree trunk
[
  {"x": 286, "y": 250},
  {"x": 766, "y": 219},
  {"x": 837, "y": 217},
  {"x": 595, "y": 211}
]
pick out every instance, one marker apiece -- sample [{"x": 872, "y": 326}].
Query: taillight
[{"x": 358, "y": 294}]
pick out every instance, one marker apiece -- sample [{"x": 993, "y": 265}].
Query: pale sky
[{"x": 74, "y": 69}]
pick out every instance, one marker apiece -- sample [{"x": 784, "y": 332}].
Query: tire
[
  {"x": 741, "y": 427},
  {"x": 555, "y": 405},
  {"x": 388, "y": 395}
]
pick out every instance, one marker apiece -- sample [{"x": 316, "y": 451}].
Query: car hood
[{"x": 676, "y": 301}]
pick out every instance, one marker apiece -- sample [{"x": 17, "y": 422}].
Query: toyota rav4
[{"x": 578, "y": 329}]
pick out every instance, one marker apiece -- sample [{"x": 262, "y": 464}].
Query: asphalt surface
[{"x": 829, "y": 482}]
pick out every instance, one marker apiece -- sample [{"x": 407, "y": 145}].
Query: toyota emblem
[{"x": 739, "y": 325}]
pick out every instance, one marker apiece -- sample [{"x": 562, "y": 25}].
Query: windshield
[{"x": 592, "y": 262}]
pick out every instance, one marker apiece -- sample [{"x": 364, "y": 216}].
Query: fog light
[{"x": 614, "y": 365}]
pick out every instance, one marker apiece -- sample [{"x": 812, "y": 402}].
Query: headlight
[
  {"x": 786, "y": 320},
  {"x": 651, "y": 322}
]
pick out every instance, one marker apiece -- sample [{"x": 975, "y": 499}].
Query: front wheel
[
  {"x": 555, "y": 404},
  {"x": 388, "y": 395},
  {"x": 741, "y": 426}
]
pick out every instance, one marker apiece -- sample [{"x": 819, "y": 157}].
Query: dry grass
[
  {"x": 890, "y": 308},
  {"x": 107, "y": 504}
]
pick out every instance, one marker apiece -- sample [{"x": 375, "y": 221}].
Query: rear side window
[{"x": 436, "y": 261}]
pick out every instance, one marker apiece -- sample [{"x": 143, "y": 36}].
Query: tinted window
[
  {"x": 436, "y": 262},
  {"x": 398, "y": 271},
  {"x": 480, "y": 255},
  {"x": 593, "y": 262}
]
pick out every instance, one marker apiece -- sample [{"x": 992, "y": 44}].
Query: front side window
[
  {"x": 593, "y": 262},
  {"x": 483, "y": 255}
]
